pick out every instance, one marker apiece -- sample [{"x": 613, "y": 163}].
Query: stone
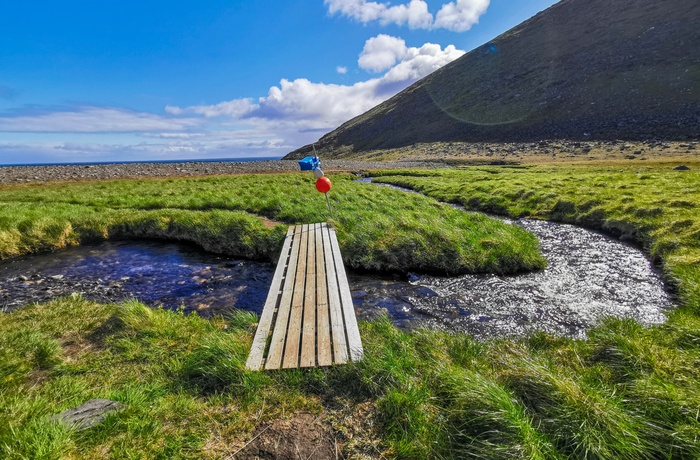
[
  {"x": 89, "y": 414},
  {"x": 681, "y": 168}
]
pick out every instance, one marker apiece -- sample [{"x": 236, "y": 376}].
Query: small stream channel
[
  {"x": 157, "y": 273},
  {"x": 589, "y": 276}
]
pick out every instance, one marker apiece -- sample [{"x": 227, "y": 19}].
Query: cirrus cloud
[
  {"x": 292, "y": 113},
  {"x": 91, "y": 120},
  {"x": 235, "y": 108}
]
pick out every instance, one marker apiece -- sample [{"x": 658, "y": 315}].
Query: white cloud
[
  {"x": 302, "y": 105},
  {"x": 92, "y": 120},
  {"x": 422, "y": 61},
  {"x": 173, "y": 135},
  {"x": 329, "y": 104},
  {"x": 381, "y": 52},
  {"x": 293, "y": 113},
  {"x": 254, "y": 142},
  {"x": 361, "y": 10},
  {"x": 461, "y": 15},
  {"x": 235, "y": 108},
  {"x": 456, "y": 16},
  {"x": 342, "y": 70},
  {"x": 415, "y": 14}
]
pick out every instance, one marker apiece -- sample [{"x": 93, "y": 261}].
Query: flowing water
[
  {"x": 589, "y": 276},
  {"x": 157, "y": 273}
]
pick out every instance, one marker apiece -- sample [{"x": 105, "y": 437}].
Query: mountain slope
[{"x": 582, "y": 69}]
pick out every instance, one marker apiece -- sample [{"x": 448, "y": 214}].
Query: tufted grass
[
  {"x": 627, "y": 391},
  {"x": 380, "y": 230}
]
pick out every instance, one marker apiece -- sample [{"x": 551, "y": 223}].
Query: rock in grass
[
  {"x": 681, "y": 168},
  {"x": 89, "y": 414}
]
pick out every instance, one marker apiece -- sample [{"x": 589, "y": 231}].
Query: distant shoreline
[
  {"x": 170, "y": 169},
  {"x": 95, "y": 163}
]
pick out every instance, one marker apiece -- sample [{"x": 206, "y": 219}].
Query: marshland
[{"x": 626, "y": 390}]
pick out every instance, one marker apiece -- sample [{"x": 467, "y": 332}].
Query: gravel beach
[{"x": 27, "y": 174}]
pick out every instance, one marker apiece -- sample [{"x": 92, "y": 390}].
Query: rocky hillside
[{"x": 582, "y": 69}]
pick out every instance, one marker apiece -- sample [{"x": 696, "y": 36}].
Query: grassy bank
[
  {"x": 243, "y": 216},
  {"x": 627, "y": 392},
  {"x": 653, "y": 205}
]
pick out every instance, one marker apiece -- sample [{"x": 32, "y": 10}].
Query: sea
[{"x": 199, "y": 160}]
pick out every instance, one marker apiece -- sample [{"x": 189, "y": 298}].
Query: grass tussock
[
  {"x": 377, "y": 229},
  {"x": 180, "y": 377},
  {"x": 653, "y": 205},
  {"x": 627, "y": 391}
]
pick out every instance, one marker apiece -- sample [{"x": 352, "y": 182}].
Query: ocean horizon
[{"x": 97, "y": 163}]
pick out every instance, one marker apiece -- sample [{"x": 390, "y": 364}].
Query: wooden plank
[
  {"x": 323, "y": 325},
  {"x": 315, "y": 321},
  {"x": 340, "y": 345},
  {"x": 255, "y": 358},
  {"x": 274, "y": 355},
  {"x": 353, "y": 333},
  {"x": 291, "y": 347},
  {"x": 308, "y": 339}
]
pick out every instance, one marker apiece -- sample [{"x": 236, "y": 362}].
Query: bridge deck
[{"x": 308, "y": 311}]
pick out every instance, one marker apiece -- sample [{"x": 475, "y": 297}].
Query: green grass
[
  {"x": 626, "y": 392},
  {"x": 654, "y": 205},
  {"x": 377, "y": 229}
]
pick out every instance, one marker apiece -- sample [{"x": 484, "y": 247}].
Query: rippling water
[
  {"x": 589, "y": 276},
  {"x": 157, "y": 273}
]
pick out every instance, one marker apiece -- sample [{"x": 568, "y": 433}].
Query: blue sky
[{"x": 155, "y": 80}]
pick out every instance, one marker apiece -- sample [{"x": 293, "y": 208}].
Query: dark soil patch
[{"x": 306, "y": 436}]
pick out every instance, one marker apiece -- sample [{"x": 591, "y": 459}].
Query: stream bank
[{"x": 589, "y": 276}]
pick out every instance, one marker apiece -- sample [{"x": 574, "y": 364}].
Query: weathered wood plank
[
  {"x": 353, "y": 333},
  {"x": 291, "y": 347},
  {"x": 340, "y": 345},
  {"x": 314, "y": 323},
  {"x": 255, "y": 358},
  {"x": 323, "y": 328},
  {"x": 274, "y": 355},
  {"x": 308, "y": 339}
]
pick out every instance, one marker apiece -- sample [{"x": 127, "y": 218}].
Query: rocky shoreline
[{"x": 28, "y": 174}]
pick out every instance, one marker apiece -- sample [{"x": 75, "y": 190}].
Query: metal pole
[{"x": 328, "y": 202}]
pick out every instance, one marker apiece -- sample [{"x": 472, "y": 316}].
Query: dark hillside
[{"x": 582, "y": 69}]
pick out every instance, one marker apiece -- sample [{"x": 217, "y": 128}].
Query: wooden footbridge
[{"x": 308, "y": 319}]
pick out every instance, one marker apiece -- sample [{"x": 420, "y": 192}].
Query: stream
[{"x": 589, "y": 276}]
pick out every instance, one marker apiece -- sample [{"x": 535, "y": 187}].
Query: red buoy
[{"x": 323, "y": 184}]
